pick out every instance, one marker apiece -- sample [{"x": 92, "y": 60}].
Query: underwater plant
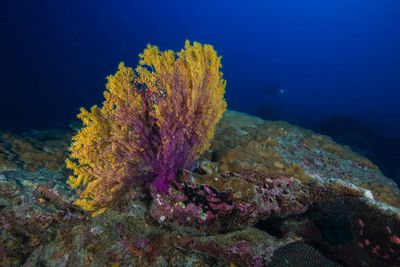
[{"x": 155, "y": 120}]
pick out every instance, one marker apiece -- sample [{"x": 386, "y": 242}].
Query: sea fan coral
[{"x": 155, "y": 120}]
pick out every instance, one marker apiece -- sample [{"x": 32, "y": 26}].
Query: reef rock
[{"x": 265, "y": 194}]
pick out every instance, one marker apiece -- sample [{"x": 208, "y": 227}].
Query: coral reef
[
  {"x": 6, "y": 159},
  {"x": 34, "y": 152},
  {"x": 241, "y": 201},
  {"x": 278, "y": 148},
  {"x": 154, "y": 121},
  {"x": 332, "y": 210}
]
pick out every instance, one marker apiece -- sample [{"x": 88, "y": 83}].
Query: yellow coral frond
[
  {"x": 99, "y": 212},
  {"x": 85, "y": 204},
  {"x": 118, "y": 86}
]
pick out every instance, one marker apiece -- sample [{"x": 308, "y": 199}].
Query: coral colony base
[{"x": 161, "y": 176}]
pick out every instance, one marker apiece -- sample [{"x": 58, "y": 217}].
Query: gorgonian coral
[{"x": 155, "y": 120}]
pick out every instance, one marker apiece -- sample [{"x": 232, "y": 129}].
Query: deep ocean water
[{"x": 299, "y": 169}]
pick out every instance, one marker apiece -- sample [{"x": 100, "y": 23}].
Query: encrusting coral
[{"x": 155, "y": 120}]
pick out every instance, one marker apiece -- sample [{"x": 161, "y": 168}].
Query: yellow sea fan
[{"x": 165, "y": 110}]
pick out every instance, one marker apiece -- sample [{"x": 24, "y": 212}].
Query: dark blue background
[{"x": 338, "y": 61}]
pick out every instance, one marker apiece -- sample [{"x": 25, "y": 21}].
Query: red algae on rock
[{"x": 242, "y": 201}]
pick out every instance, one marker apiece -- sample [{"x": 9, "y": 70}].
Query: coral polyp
[{"x": 155, "y": 120}]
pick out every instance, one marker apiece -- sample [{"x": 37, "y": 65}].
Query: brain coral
[{"x": 155, "y": 120}]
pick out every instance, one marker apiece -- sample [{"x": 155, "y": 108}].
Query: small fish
[{"x": 273, "y": 89}]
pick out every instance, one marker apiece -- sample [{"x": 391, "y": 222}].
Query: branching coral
[{"x": 155, "y": 120}]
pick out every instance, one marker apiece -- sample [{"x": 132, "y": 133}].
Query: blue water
[{"x": 331, "y": 65}]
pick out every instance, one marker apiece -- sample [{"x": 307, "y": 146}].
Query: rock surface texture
[{"x": 265, "y": 194}]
